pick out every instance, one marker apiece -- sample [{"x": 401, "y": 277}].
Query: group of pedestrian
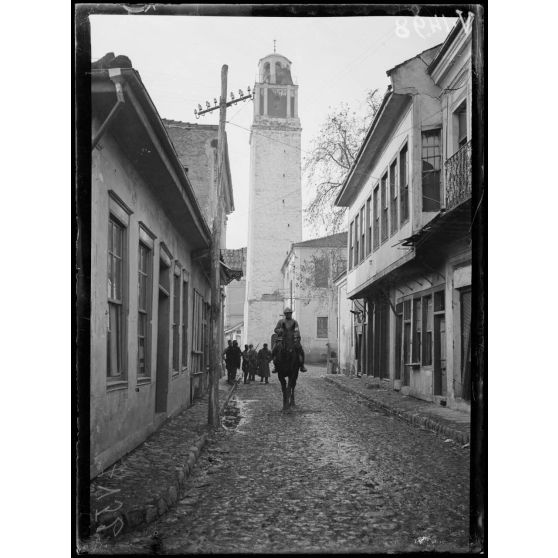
[
  {"x": 286, "y": 333},
  {"x": 253, "y": 362}
]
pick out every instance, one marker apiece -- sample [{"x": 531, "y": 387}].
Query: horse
[{"x": 287, "y": 366}]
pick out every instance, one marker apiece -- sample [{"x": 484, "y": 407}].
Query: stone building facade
[{"x": 275, "y": 199}]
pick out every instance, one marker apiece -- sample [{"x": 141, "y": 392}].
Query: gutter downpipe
[{"x": 115, "y": 74}]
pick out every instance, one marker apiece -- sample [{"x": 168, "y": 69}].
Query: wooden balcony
[{"x": 458, "y": 177}]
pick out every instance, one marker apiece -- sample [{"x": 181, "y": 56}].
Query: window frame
[
  {"x": 318, "y": 329},
  {"x": 384, "y": 225},
  {"x": 184, "y": 319},
  {"x": 357, "y": 239},
  {"x": 426, "y": 325},
  {"x": 362, "y": 234},
  {"x": 323, "y": 263},
  {"x": 393, "y": 191},
  {"x": 376, "y": 223},
  {"x": 404, "y": 185},
  {"x": 427, "y": 330},
  {"x": 119, "y": 214},
  {"x": 175, "y": 316},
  {"x": 369, "y": 225},
  {"x": 460, "y": 137},
  {"x": 351, "y": 244},
  {"x": 434, "y": 172},
  {"x": 196, "y": 351},
  {"x": 146, "y": 240}
]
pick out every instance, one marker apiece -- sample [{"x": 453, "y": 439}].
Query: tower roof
[{"x": 275, "y": 54}]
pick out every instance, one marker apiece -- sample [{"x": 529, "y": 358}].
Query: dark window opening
[
  {"x": 368, "y": 226},
  {"x": 385, "y": 223},
  {"x": 321, "y": 272},
  {"x": 322, "y": 328},
  {"x": 404, "y": 184},
  {"x": 376, "y": 219},
  {"x": 393, "y": 188},
  {"x": 277, "y": 103},
  {"x": 431, "y": 164}
]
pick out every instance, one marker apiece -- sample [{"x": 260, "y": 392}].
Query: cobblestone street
[{"x": 330, "y": 475}]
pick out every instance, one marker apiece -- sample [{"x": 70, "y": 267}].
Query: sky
[{"x": 334, "y": 60}]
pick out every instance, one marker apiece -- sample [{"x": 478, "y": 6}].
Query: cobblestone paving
[{"x": 330, "y": 475}]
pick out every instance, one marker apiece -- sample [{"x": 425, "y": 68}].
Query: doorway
[
  {"x": 440, "y": 373},
  {"x": 398, "y": 342},
  {"x": 162, "y": 380},
  {"x": 466, "y": 344}
]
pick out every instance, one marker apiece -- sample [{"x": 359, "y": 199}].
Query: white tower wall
[{"x": 275, "y": 200}]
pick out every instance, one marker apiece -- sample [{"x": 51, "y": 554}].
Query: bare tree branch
[{"x": 332, "y": 154}]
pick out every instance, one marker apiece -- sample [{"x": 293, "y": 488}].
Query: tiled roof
[
  {"x": 331, "y": 241},
  {"x": 111, "y": 61},
  {"x": 180, "y": 124}
]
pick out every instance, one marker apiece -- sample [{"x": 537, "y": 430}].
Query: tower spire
[{"x": 274, "y": 41}]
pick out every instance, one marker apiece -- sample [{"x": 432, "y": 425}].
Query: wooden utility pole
[
  {"x": 216, "y": 333},
  {"x": 215, "y": 320}
]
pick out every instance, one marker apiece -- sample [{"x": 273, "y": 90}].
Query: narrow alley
[{"x": 330, "y": 475}]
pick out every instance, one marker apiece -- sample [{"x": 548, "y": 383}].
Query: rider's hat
[{"x": 287, "y": 311}]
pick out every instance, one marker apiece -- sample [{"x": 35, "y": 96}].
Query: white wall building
[
  {"x": 408, "y": 197},
  {"x": 308, "y": 288}
]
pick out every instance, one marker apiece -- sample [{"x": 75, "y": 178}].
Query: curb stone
[
  {"x": 414, "y": 419},
  {"x": 158, "y": 505}
]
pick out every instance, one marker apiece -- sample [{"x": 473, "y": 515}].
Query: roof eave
[
  {"x": 444, "y": 48},
  {"x": 140, "y": 93}
]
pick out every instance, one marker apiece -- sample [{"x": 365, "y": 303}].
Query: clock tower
[{"x": 275, "y": 198}]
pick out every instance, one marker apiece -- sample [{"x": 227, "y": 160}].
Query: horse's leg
[
  {"x": 284, "y": 390},
  {"x": 294, "y": 379}
]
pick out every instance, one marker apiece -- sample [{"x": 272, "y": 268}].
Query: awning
[{"x": 228, "y": 273}]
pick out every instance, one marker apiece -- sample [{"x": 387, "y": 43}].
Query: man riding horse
[{"x": 288, "y": 334}]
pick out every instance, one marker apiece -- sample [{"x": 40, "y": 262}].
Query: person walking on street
[
  {"x": 232, "y": 361},
  {"x": 252, "y": 363},
  {"x": 264, "y": 356},
  {"x": 245, "y": 363}
]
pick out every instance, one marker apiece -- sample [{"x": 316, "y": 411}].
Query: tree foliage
[
  {"x": 314, "y": 275},
  {"x": 332, "y": 153}
]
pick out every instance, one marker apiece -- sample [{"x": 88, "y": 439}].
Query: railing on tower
[{"x": 458, "y": 177}]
